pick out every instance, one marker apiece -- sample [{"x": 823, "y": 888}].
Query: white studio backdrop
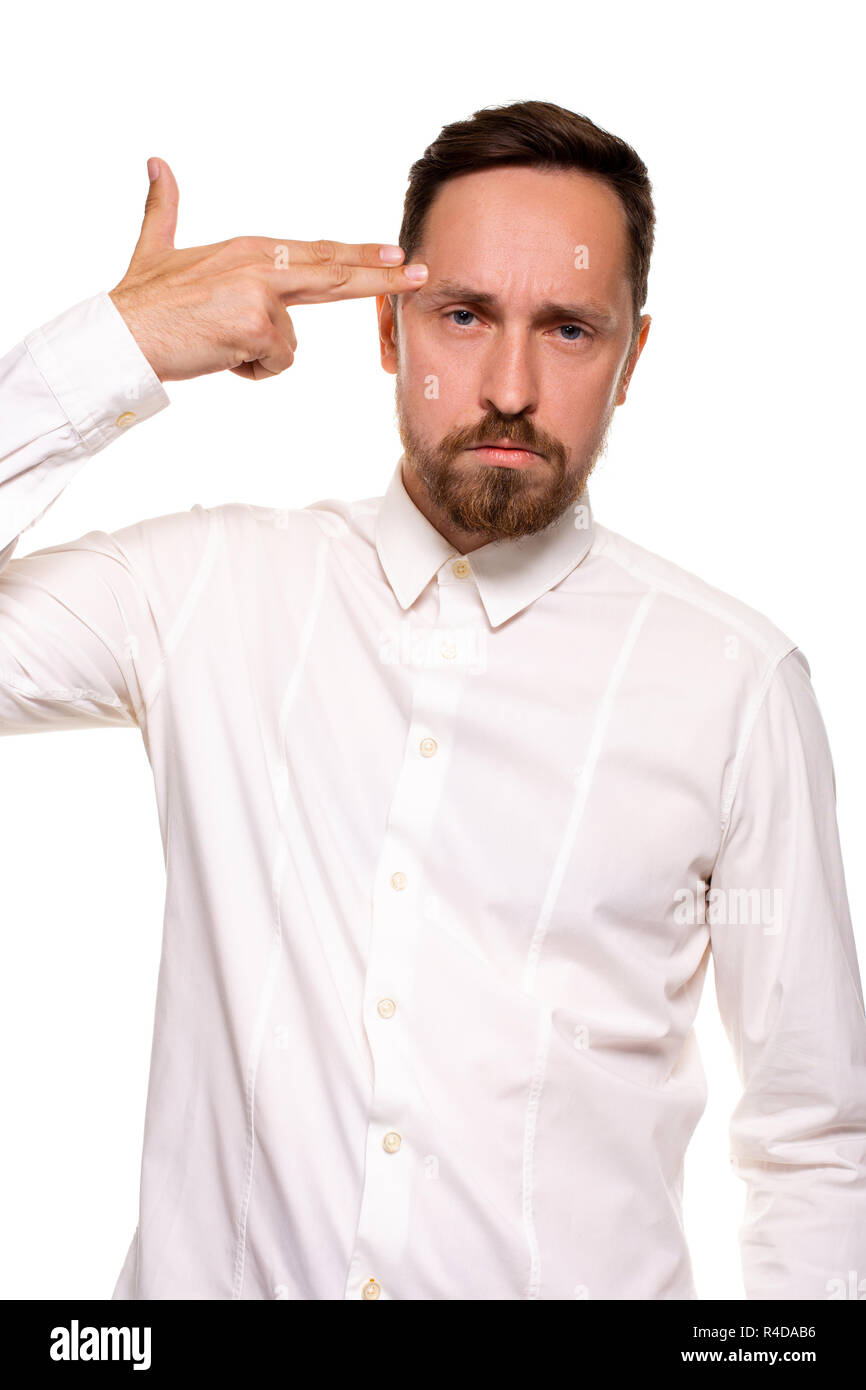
[{"x": 738, "y": 454}]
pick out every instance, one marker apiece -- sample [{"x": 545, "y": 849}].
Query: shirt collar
[{"x": 510, "y": 574}]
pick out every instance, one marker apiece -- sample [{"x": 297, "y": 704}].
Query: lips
[
  {"x": 508, "y": 456},
  {"x": 507, "y": 444},
  {"x": 505, "y": 448}
]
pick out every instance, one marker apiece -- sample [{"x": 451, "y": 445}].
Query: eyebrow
[{"x": 445, "y": 290}]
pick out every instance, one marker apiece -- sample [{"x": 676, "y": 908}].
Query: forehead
[{"x": 513, "y": 226}]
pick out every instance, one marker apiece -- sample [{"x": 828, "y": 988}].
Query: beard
[{"x": 492, "y": 500}]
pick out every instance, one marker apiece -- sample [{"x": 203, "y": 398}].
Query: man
[{"x": 457, "y": 787}]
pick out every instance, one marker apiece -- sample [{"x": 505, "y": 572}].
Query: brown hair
[{"x": 540, "y": 135}]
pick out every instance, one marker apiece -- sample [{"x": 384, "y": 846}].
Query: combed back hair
[{"x": 540, "y": 135}]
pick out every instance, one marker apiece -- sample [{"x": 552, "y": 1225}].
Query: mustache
[{"x": 517, "y": 433}]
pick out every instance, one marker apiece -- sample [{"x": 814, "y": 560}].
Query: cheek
[
  {"x": 580, "y": 393},
  {"x": 434, "y": 381}
]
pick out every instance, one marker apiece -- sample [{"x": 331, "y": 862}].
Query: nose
[{"x": 508, "y": 380}]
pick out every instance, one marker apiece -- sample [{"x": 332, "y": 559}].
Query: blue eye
[{"x": 578, "y": 330}]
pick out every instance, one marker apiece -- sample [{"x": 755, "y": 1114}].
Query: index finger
[
  {"x": 312, "y": 272},
  {"x": 322, "y": 284},
  {"x": 361, "y": 253}
]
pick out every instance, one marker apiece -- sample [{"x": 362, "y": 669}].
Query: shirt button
[
  {"x": 448, "y": 650},
  {"x": 391, "y": 1142},
  {"x": 398, "y": 880},
  {"x": 371, "y": 1289},
  {"x": 386, "y": 1008},
  {"x": 428, "y": 747},
  {"x": 125, "y": 419},
  {"x": 460, "y": 568}
]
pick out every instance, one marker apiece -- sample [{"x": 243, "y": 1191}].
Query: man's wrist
[{"x": 137, "y": 329}]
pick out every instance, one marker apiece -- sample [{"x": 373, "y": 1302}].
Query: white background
[{"x": 738, "y": 454}]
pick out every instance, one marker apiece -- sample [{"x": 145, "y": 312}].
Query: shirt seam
[
  {"x": 758, "y": 703},
  {"x": 713, "y": 609},
  {"x": 60, "y": 692},
  {"x": 214, "y": 539}
]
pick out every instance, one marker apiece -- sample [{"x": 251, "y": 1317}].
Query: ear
[
  {"x": 632, "y": 359},
  {"x": 387, "y": 332}
]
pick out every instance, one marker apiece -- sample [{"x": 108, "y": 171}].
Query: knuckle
[
  {"x": 324, "y": 251},
  {"x": 250, "y": 289},
  {"x": 239, "y": 250},
  {"x": 276, "y": 360},
  {"x": 338, "y": 274},
  {"x": 289, "y": 333},
  {"x": 253, "y": 323}
]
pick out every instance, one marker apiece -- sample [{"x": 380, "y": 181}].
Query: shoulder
[
  {"x": 691, "y": 603},
  {"x": 332, "y": 518}
]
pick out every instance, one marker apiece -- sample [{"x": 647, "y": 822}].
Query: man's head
[{"x": 537, "y": 230}]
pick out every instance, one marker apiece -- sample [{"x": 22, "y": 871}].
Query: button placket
[{"x": 400, "y": 890}]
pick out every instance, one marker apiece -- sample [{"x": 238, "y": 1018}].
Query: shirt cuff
[{"x": 91, "y": 361}]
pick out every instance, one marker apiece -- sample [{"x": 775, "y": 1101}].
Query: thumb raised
[{"x": 160, "y": 209}]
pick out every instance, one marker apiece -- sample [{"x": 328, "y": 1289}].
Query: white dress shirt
[{"x": 448, "y": 842}]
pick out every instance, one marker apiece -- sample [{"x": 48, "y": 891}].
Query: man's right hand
[{"x": 212, "y": 308}]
